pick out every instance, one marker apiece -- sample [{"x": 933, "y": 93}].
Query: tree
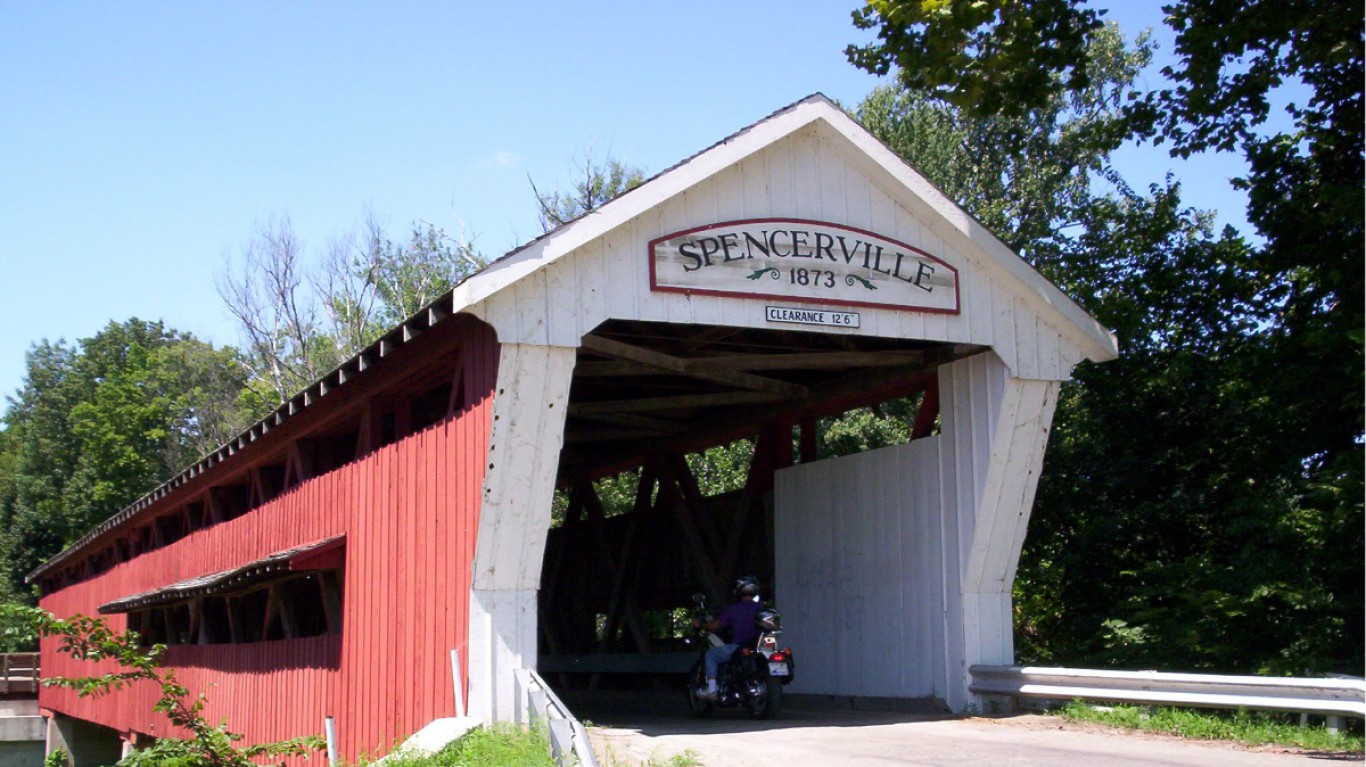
[
  {"x": 1306, "y": 199},
  {"x": 1027, "y": 174},
  {"x": 598, "y": 184},
  {"x": 300, "y": 318},
  {"x": 100, "y": 423},
  {"x": 280, "y": 327},
  {"x": 1166, "y": 482}
]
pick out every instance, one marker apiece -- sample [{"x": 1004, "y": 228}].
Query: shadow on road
[{"x": 666, "y": 712}]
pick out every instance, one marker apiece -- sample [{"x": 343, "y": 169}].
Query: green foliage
[
  {"x": 1201, "y": 502},
  {"x": 597, "y": 185},
  {"x": 501, "y": 745},
  {"x": 1027, "y": 175},
  {"x": 17, "y": 632},
  {"x": 867, "y": 428},
  {"x": 393, "y": 280},
  {"x": 55, "y": 759},
  {"x": 686, "y": 759},
  {"x": 1253, "y": 728},
  {"x": 723, "y": 468},
  {"x": 209, "y": 745},
  {"x": 998, "y": 55},
  {"x": 101, "y": 422}
]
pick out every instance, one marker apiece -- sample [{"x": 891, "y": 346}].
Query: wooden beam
[
  {"x": 806, "y": 361},
  {"x": 272, "y": 604},
  {"x": 633, "y": 421},
  {"x": 810, "y": 428},
  {"x": 616, "y": 369},
  {"x": 370, "y": 436},
  {"x": 616, "y": 607},
  {"x": 929, "y": 411},
  {"x": 298, "y": 465},
  {"x": 287, "y": 617},
  {"x": 403, "y": 418},
  {"x": 835, "y": 397},
  {"x": 581, "y": 437},
  {"x": 456, "y": 403},
  {"x": 681, "y": 366},
  {"x": 330, "y": 591},
  {"x": 696, "y": 548},
  {"x": 234, "y": 619},
  {"x": 198, "y": 633},
  {"x": 679, "y": 402}
]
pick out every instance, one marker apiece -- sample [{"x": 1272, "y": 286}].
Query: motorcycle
[{"x": 753, "y": 678}]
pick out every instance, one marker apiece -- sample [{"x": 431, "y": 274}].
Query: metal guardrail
[
  {"x": 1330, "y": 697},
  {"x": 567, "y": 734}
]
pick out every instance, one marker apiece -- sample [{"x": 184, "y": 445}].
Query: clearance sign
[{"x": 805, "y": 261}]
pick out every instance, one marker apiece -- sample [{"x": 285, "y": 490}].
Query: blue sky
[{"x": 141, "y": 143}]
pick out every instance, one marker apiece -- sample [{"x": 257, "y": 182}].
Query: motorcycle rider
[{"x": 739, "y": 618}]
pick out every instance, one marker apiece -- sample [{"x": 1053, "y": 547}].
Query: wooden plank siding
[
  {"x": 409, "y": 512},
  {"x": 907, "y": 554}
]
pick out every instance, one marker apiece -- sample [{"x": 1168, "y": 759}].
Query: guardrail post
[
  {"x": 561, "y": 739},
  {"x": 522, "y": 686},
  {"x": 538, "y": 705}
]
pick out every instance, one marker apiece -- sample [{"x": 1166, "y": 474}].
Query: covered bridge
[{"x": 328, "y": 560}]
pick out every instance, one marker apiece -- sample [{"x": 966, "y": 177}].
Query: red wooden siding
[{"x": 409, "y": 512}]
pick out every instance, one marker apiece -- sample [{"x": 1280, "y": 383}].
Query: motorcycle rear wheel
[{"x": 772, "y": 702}]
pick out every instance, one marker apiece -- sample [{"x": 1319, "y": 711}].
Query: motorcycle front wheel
[{"x": 698, "y": 678}]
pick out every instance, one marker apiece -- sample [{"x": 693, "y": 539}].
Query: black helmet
[
  {"x": 769, "y": 620},
  {"x": 746, "y": 586}
]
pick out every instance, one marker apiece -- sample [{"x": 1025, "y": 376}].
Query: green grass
[
  {"x": 686, "y": 759},
  {"x": 507, "y": 745},
  {"x": 502, "y": 745},
  {"x": 1253, "y": 728}
]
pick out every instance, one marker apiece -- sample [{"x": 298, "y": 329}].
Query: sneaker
[{"x": 705, "y": 694}]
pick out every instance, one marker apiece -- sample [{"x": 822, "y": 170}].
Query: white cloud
[{"x": 506, "y": 159}]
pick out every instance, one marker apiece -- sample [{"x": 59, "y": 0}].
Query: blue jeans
[{"x": 718, "y": 655}]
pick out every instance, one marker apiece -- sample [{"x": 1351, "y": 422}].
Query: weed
[
  {"x": 501, "y": 745},
  {"x": 685, "y": 759},
  {"x": 1254, "y": 728}
]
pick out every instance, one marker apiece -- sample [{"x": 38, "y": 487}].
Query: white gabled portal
[{"x": 907, "y": 553}]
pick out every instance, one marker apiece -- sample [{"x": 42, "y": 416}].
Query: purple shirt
[{"x": 740, "y": 618}]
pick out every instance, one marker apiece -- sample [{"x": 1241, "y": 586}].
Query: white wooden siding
[
  {"x": 806, "y": 175},
  {"x": 857, "y": 572},
  {"x": 894, "y": 567}
]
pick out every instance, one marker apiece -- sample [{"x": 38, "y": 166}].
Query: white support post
[
  {"x": 995, "y": 428},
  {"x": 530, "y": 403}
]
